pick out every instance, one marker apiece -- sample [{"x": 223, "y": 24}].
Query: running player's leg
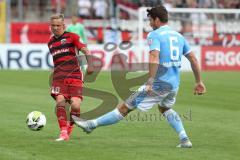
[
  {"x": 58, "y": 92},
  {"x": 75, "y": 93},
  {"x": 112, "y": 117},
  {"x": 75, "y": 103},
  {"x": 174, "y": 119},
  {"x": 139, "y": 98},
  {"x": 62, "y": 117},
  {"x": 115, "y": 115},
  {"x": 109, "y": 118}
]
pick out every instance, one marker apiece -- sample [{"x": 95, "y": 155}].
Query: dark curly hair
[{"x": 158, "y": 12}]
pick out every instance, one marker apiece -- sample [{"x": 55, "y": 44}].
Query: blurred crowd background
[
  {"x": 33, "y": 10},
  {"x": 27, "y": 21}
]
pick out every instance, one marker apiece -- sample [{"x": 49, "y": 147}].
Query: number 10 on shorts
[{"x": 55, "y": 90}]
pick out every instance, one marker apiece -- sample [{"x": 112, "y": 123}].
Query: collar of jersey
[
  {"x": 164, "y": 26},
  {"x": 60, "y": 36}
]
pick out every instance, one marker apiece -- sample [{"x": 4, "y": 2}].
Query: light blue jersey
[{"x": 172, "y": 45}]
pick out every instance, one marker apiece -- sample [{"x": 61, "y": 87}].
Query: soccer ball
[{"x": 36, "y": 120}]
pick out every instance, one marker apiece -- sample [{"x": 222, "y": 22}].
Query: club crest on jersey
[
  {"x": 63, "y": 41},
  {"x": 150, "y": 41}
]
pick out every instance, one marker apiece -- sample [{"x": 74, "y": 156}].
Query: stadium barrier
[{"x": 36, "y": 56}]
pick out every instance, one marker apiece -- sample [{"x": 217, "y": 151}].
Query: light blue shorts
[{"x": 144, "y": 101}]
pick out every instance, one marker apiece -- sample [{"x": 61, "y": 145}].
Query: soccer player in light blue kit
[{"x": 166, "y": 49}]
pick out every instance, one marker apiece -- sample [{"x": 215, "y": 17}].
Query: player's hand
[
  {"x": 90, "y": 70},
  {"x": 199, "y": 88},
  {"x": 149, "y": 84},
  {"x": 149, "y": 89}
]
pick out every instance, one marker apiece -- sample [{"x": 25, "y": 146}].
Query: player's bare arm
[
  {"x": 153, "y": 67},
  {"x": 86, "y": 52},
  {"x": 199, "y": 88}
]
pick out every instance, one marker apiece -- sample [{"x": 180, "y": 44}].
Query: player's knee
[
  {"x": 60, "y": 100},
  {"x": 123, "y": 109},
  {"x": 162, "y": 109},
  {"x": 75, "y": 106},
  {"x": 75, "y": 103}
]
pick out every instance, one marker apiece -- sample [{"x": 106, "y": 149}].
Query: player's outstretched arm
[
  {"x": 199, "y": 88},
  {"x": 85, "y": 51}
]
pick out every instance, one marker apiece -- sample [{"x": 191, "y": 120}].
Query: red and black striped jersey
[{"x": 64, "y": 51}]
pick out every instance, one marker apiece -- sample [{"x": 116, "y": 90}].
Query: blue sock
[
  {"x": 108, "y": 118},
  {"x": 175, "y": 121}
]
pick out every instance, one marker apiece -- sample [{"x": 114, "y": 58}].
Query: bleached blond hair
[{"x": 57, "y": 16}]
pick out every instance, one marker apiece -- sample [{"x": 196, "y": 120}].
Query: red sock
[
  {"x": 75, "y": 113},
  {"x": 62, "y": 117}
]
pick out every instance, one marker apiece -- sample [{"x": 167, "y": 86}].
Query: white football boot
[
  {"x": 185, "y": 144},
  {"x": 87, "y": 125}
]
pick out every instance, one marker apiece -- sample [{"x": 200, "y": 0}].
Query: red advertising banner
[
  {"x": 22, "y": 32},
  {"x": 30, "y": 32},
  {"x": 220, "y": 58}
]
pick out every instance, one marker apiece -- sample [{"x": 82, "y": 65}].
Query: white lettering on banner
[
  {"x": 229, "y": 43},
  {"x": 37, "y": 56},
  {"x": 228, "y": 27},
  {"x": 119, "y": 59},
  {"x": 209, "y": 58},
  {"x": 25, "y": 57},
  {"x": 219, "y": 58}
]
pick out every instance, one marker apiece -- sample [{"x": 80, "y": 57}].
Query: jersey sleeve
[
  {"x": 49, "y": 41},
  {"x": 78, "y": 42},
  {"x": 153, "y": 42},
  {"x": 186, "y": 47}
]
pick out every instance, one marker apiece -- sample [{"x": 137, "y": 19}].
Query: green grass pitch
[{"x": 212, "y": 122}]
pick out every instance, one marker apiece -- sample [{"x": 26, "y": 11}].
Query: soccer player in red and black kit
[{"x": 67, "y": 80}]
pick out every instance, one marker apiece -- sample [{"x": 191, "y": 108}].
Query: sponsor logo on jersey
[
  {"x": 150, "y": 41},
  {"x": 63, "y": 41},
  {"x": 60, "y": 51}
]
